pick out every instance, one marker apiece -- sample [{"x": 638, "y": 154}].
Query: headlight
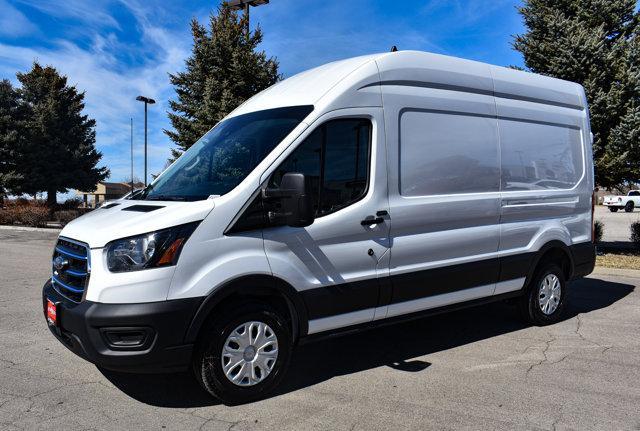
[{"x": 151, "y": 250}]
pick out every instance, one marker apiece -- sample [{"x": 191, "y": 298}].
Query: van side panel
[{"x": 517, "y": 85}]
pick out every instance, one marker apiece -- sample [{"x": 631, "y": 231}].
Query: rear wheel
[
  {"x": 243, "y": 356},
  {"x": 629, "y": 207},
  {"x": 545, "y": 299},
  {"x": 613, "y": 209}
]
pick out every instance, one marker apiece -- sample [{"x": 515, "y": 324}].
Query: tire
[
  {"x": 532, "y": 303},
  {"x": 613, "y": 209},
  {"x": 628, "y": 208},
  {"x": 267, "y": 372}
]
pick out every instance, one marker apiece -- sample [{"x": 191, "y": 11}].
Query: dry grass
[{"x": 619, "y": 260}]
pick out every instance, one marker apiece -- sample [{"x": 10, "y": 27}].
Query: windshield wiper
[{"x": 145, "y": 191}]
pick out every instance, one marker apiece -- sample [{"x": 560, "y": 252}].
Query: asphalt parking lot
[
  {"x": 616, "y": 225},
  {"x": 473, "y": 369}
]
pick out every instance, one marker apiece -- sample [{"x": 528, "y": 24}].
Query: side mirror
[{"x": 296, "y": 206}]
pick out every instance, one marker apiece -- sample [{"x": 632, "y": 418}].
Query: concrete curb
[
  {"x": 30, "y": 229},
  {"x": 631, "y": 273}
]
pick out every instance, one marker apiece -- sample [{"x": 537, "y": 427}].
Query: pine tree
[
  {"x": 624, "y": 156},
  {"x": 591, "y": 42},
  {"x": 59, "y": 151},
  {"x": 11, "y": 133},
  {"x": 224, "y": 69}
]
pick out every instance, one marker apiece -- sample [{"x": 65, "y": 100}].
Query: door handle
[{"x": 371, "y": 221}]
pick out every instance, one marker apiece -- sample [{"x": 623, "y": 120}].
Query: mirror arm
[{"x": 277, "y": 193}]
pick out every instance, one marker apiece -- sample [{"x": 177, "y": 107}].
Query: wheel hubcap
[
  {"x": 549, "y": 294},
  {"x": 249, "y": 353}
]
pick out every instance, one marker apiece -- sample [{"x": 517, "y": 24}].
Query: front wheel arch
[{"x": 252, "y": 288}]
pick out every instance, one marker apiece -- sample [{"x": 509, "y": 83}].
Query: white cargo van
[{"x": 362, "y": 192}]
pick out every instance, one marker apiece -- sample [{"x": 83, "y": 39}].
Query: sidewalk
[
  {"x": 30, "y": 229},
  {"x": 629, "y": 273}
]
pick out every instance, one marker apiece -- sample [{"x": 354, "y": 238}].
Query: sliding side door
[{"x": 444, "y": 195}]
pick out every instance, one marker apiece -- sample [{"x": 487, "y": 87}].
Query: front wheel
[
  {"x": 545, "y": 299},
  {"x": 629, "y": 207},
  {"x": 613, "y": 209},
  {"x": 243, "y": 356}
]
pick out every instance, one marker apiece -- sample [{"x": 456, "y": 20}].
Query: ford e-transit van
[{"x": 358, "y": 193}]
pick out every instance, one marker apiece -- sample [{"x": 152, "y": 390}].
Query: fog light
[{"x": 127, "y": 338}]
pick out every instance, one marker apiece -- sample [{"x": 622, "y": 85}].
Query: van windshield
[{"x": 225, "y": 155}]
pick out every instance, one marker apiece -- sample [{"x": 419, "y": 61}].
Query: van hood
[{"x": 120, "y": 219}]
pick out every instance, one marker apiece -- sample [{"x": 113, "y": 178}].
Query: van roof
[{"x": 357, "y": 77}]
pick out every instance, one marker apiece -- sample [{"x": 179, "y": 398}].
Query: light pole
[
  {"x": 131, "y": 155},
  {"x": 244, "y": 4},
  {"x": 147, "y": 101}
]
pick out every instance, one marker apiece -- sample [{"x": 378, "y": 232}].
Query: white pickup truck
[{"x": 628, "y": 202}]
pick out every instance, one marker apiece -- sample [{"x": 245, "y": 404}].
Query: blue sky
[{"x": 116, "y": 49}]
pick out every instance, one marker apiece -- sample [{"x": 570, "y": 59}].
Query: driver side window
[{"x": 335, "y": 162}]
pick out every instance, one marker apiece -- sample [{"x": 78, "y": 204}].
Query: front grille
[{"x": 75, "y": 265}]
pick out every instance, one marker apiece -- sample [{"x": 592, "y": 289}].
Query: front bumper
[{"x": 103, "y": 333}]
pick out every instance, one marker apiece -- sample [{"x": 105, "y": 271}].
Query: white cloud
[
  {"x": 92, "y": 12},
  {"x": 14, "y": 23},
  {"x": 111, "y": 87}
]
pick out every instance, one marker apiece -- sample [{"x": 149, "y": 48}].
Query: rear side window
[
  {"x": 539, "y": 156},
  {"x": 335, "y": 161},
  {"x": 634, "y": 193},
  {"x": 447, "y": 154}
]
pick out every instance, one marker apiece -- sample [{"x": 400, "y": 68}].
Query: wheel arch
[
  {"x": 552, "y": 251},
  {"x": 251, "y": 286}
]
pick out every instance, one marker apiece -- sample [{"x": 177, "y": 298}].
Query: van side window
[
  {"x": 442, "y": 153},
  {"x": 539, "y": 156},
  {"x": 634, "y": 193},
  {"x": 335, "y": 161}
]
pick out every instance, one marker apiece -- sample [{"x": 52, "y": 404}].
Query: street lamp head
[
  {"x": 145, "y": 100},
  {"x": 240, "y": 4}
]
